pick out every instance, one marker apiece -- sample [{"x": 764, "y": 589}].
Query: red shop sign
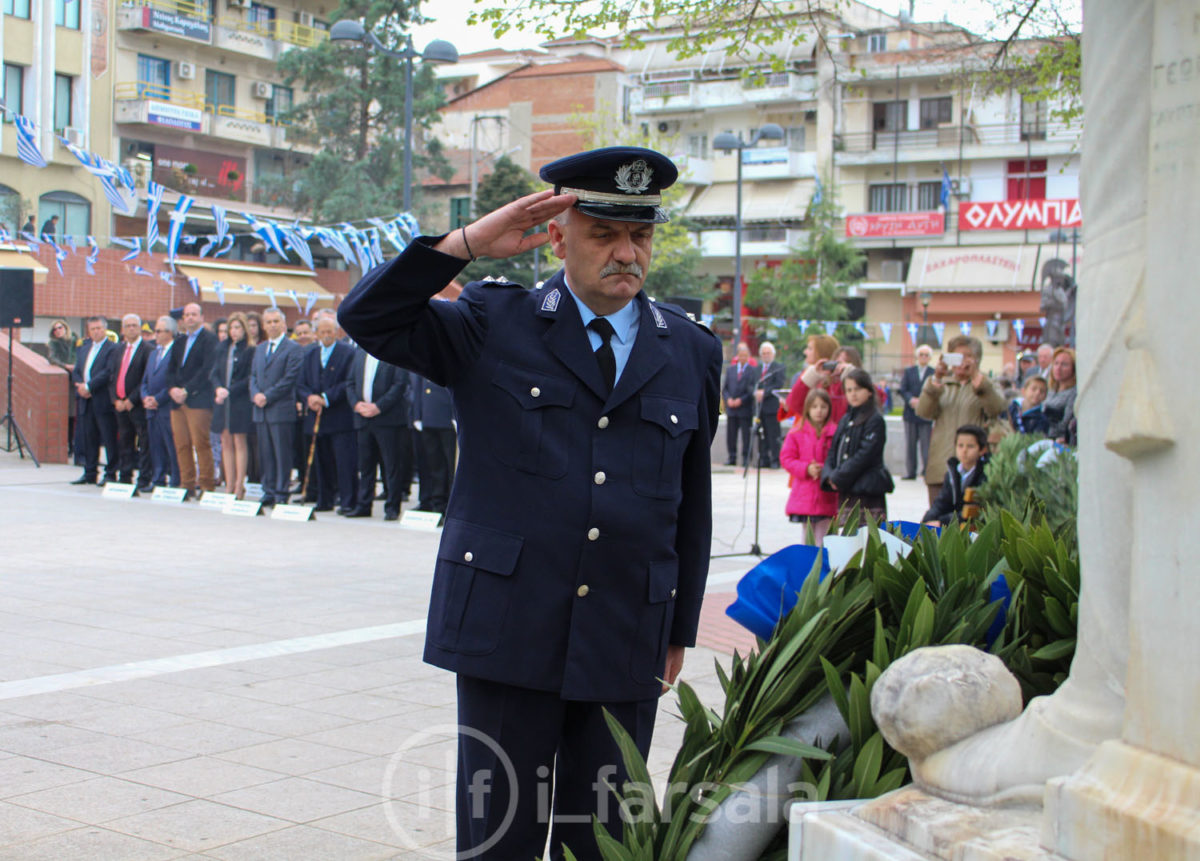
[
  {"x": 885, "y": 224},
  {"x": 1036, "y": 214}
]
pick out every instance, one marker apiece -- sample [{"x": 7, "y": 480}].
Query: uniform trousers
[
  {"x": 162, "y": 448},
  {"x": 190, "y": 427},
  {"x": 561, "y": 753},
  {"x": 133, "y": 446}
]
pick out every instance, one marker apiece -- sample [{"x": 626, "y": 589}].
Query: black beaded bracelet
[{"x": 470, "y": 253}]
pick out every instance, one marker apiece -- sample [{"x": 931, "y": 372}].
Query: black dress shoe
[
  {"x": 102, "y": 480},
  {"x": 344, "y": 509},
  {"x": 731, "y": 463},
  {"x": 85, "y": 479},
  {"x": 360, "y": 512},
  {"x": 145, "y": 488},
  {"x": 323, "y": 508},
  {"x": 391, "y": 515}
]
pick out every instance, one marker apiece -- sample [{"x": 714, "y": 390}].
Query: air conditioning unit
[
  {"x": 668, "y": 127},
  {"x": 76, "y": 137},
  {"x": 261, "y": 90},
  {"x": 891, "y": 271},
  {"x": 139, "y": 169},
  {"x": 186, "y": 71},
  {"x": 961, "y": 187},
  {"x": 810, "y": 116}
]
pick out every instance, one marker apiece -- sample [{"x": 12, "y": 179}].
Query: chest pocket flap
[
  {"x": 480, "y": 547},
  {"x": 671, "y": 414},
  {"x": 534, "y": 389}
]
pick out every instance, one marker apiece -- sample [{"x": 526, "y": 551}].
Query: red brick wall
[{"x": 40, "y": 401}]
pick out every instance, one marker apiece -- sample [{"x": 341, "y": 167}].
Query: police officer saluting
[{"x": 576, "y": 543}]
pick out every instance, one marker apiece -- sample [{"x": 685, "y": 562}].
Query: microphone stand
[{"x": 10, "y": 420}]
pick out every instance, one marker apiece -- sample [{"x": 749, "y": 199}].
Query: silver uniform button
[
  {"x": 603, "y": 423},
  {"x": 535, "y": 392},
  {"x": 593, "y": 534},
  {"x": 468, "y": 556},
  {"x": 582, "y": 591},
  {"x": 600, "y": 477},
  {"x": 672, "y": 593},
  {"x": 674, "y": 420}
]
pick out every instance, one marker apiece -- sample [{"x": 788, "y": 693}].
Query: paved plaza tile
[{"x": 235, "y": 688}]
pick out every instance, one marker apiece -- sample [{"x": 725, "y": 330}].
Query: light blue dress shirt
[{"x": 625, "y": 326}]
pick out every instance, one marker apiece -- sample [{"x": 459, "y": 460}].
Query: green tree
[
  {"x": 812, "y": 283},
  {"x": 353, "y": 112},
  {"x": 503, "y": 185}
]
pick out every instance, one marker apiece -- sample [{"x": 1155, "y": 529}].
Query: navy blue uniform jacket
[{"x": 578, "y": 531}]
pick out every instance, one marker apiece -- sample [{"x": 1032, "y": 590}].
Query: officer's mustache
[{"x": 621, "y": 269}]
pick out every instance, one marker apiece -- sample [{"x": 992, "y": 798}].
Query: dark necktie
[{"x": 604, "y": 354}]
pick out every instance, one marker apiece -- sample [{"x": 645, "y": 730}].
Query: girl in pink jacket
[{"x": 802, "y": 456}]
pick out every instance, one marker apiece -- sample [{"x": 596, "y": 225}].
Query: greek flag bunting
[
  {"x": 154, "y": 196},
  {"x": 1019, "y": 327},
  {"x": 291, "y": 236},
  {"x": 885, "y": 329},
  {"x": 945, "y": 190},
  {"x": 134, "y": 244},
  {"x": 992, "y": 326},
  {"x": 178, "y": 217},
  {"x": 60, "y": 254},
  {"x": 292, "y": 295},
  {"x": 93, "y": 255},
  {"x": 27, "y": 148},
  {"x": 861, "y": 328},
  {"x": 965, "y": 327},
  {"x": 269, "y": 233},
  {"x": 166, "y": 276},
  {"x": 939, "y": 329},
  {"x": 219, "y": 289},
  {"x": 32, "y": 240},
  {"x": 271, "y": 295},
  {"x": 194, "y": 283},
  {"x": 138, "y": 270},
  {"x": 913, "y": 330},
  {"x": 311, "y": 300},
  {"x": 830, "y": 327}
]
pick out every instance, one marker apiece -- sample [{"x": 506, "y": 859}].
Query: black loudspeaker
[{"x": 16, "y": 298}]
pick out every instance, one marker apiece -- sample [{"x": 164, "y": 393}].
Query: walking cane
[{"x": 311, "y": 448}]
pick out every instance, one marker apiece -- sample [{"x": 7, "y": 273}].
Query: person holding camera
[{"x": 957, "y": 394}]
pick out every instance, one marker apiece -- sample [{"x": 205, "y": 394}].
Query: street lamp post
[
  {"x": 727, "y": 142},
  {"x": 926, "y": 297},
  {"x": 438, "y": 51}
]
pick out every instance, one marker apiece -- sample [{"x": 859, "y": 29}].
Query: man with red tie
[{"x": 125, "y": 389}]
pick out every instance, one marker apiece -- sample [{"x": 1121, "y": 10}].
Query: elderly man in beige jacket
[{"x": 952, "y": 399}]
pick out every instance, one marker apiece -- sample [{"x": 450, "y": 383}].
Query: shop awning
[
  {"x": 12, "y": 259},
  {"x": 762, "y": 200},
  {"x": 234, "y": 279},
  {"x": 974, "y": 268}
]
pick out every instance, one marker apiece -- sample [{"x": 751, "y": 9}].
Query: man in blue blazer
[
  {"x": 379, "y": 395},
  {"x": 577, "y": 536},
  {"x": 95, "y": 423},
  {"x": 324, "y": 373},
  {"x": 273, "y": 378},
  {"x": 158, "y": 404},
  {"x": 916, "y": 429}
]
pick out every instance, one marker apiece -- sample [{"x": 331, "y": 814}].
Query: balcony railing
[
  {"x": 954, "y": 135},
  {"x": 140, "y": 90},
  {"x": 300, "y": 35},
  {"x": 192, "y": 8}
]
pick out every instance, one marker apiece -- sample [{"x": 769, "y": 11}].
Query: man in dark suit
[
  {"x": 575, "y": 550},
  {"x": 324, "y": 373},
  {"x": 273, "y": 378},
  {"x": 772, "y": 376},
  {"x": 94, "y": 422},
  {"x": 125, "y": 389},
  {"x": 916, "y": 429},
  {"x": 158, "y": 405},
  {"x": 437, "y": 442},
  {"x": 738, "y": 394},
  {"x": 378, "y": 393},
  {"x": 191, "y": 389}
]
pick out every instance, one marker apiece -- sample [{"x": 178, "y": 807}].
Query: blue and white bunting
[
  {"x": 1042, "y": 322},
  {"x": 32, "y": 240},
  {"x": 154, "y": 196},
  {"x": 803, "y": 324},
  {"x": 221, "y": 222},
  {"x": 27, "y": 148},
  {"x": 992, "y": 327},
  {"x": 830, "y": 327},
  {"x": 885, "y": 329},
  {"x": 778, "y": 322},
  {"x": 310, "y": 300},
  {"x": 93, "y": 255},
  {"x": 294, "y": 241},
  {"x": 168, "y": 277},
  {"x": 209, "y": 241},
  {"x": 271, "y": 296},
  {"x": 178, "y": 217},
  {"x": 913, "y": 331},
  {"x": 269, "y": 233},
  {"x": 219, "y": 289},
  {"x": 60, "y": 254},
  {"x": 292, "y": 295},
  {"x": 939, "y": 329},
  {"x": 861, "y": 328},
  {"x": 133, "y": 243},
  {"x": 965, "y": 327},
  {"x": 194, "y": 283},
  {"x": 138, "y": 270},
  {"x": 1019, "y": 327}
]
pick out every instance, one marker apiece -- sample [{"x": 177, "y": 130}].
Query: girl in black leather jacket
[{"x": 854, "y": 467}]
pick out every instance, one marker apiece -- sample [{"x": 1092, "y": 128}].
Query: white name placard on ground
[
  {"x": 253, "y": 490},
  {"x": 242, "y": 508},
  {"x": 430, "y": 521},
  {"x": 298, "y": 513},
  {"x": 171, "y": 495},
  {"x": 115, "y": 490},
  {"x": 218, "y": 501}
]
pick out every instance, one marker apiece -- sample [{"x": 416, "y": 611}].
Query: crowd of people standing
[{"x": 242, "y": 401}]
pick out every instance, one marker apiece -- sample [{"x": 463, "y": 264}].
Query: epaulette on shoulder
[
  {"x": 492, "y": 281},
  {"x": 679, "y": 312}
]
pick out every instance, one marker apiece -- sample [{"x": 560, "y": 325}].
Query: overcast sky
[{"x": 975, "y": 15}]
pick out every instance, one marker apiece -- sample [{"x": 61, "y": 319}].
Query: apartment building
[{"x": 58, "y": 72}]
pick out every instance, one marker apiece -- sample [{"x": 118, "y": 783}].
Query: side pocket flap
[
  {"x": 534, "y": 389},
  {"x": 664, "y": 577},
  {"x": 673, "y": 415},
  {"x": 480, "y": 547}
]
